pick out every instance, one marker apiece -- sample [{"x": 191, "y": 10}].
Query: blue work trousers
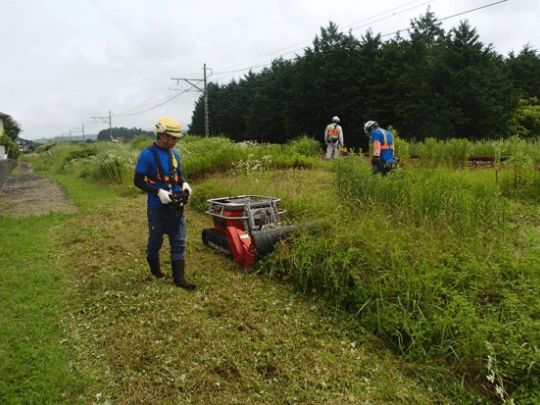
[{"x": 163, "y": 220}]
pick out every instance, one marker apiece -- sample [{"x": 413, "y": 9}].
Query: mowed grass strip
[
  {"x": 34, "y": 362},
  {"x": 241, "y": 338}
]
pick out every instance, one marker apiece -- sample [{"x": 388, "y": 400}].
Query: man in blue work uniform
[
  {"x": 383, "y": 160},
  {"x": 159, "y": 174}
]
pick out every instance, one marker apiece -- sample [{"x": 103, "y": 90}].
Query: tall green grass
[
  {"x": 442, "y": 200},
  {"x": 519, "y": 178},
  {"x": 430, "y": 260},
  {"x": 455, "y": 151},
  {"x": 115, "y": 163}
]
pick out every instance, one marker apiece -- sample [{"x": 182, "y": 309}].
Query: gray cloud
[{"x": 63, "y": 62}]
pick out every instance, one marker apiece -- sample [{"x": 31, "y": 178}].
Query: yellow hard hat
[{"x": 169, "y": 126}]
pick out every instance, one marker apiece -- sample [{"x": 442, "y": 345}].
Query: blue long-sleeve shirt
[
  {"x": 147, "y": 167},
  {"x": 387, "y": 152}
]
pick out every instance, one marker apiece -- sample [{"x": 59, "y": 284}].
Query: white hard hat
[
  {"x": 335, "y": 119},
  {"x": 368, "y": 125}
]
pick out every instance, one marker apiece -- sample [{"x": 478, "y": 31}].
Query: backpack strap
[
  {"x": 385, "y": 145},
  {"x": 159, "y": 168},
  {"x": 172, "y": 178}
]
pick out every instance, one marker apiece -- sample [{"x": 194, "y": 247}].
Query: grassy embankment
[
  {"x": 88, "y": 325},
  {"x": 441, "y": 264}
]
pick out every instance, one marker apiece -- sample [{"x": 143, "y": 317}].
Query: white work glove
[
  {"x": 185, "y": 186},
  {"x": 164, "y": 196}
]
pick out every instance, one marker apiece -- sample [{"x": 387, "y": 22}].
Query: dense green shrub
[{"x": 304, "y": 145}]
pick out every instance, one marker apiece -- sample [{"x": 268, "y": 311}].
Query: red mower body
[{"x": 245, "y": 227}]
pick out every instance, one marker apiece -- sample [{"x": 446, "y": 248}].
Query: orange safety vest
[{"x": 333, "y": 131}]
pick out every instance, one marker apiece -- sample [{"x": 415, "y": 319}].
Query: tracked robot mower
[{"x": 246, "y": 227}]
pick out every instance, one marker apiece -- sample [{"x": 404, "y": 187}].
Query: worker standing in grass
[
  {"x": 383, "y": 160},
  {"x": 333, "y": 138},
  {"x": 159, "y": 174}
]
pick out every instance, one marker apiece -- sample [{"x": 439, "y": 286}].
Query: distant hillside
[{"x": 74, "y": 138}]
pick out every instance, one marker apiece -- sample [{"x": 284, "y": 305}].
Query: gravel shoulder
[{"x": 25, "y": 193}]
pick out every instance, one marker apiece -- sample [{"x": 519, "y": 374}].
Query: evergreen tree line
[
  {"x": 433, "y": 84},
  {"x": 123, "y": 134}
]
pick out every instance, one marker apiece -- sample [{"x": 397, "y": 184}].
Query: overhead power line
[
  {"x": 475, "y": 9},
  {"x": 347, "y": 26},
  {"x": 384, "y": 35},
  {"x": 385, "y": 18},
  {"x": 104, "y": 119},
  {"x": 309, "y": 40},
  {"x": 454, "y": 15},
  {"x": 351, "y": 26},
  {"x": 154, "y": 107},
  {"x": 156, "y": 98}
]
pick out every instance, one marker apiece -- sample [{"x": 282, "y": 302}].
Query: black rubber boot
[
  {"x": 178, "y": 275},
  {"x": 155, "y": 268}
]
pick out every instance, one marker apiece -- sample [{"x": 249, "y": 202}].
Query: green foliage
[
  {"x": 428, "y": 262},
  {"x": 523, "y": 69},
  {"x": 454, "y": 152},
  {"x": 438, "y": 199},
  {"x": 441, "y": 264},
  {"x": 11, "y": 127},
  {"x": 52, "y": 158},
  {"x": 34, "y": 359},
  {"x": 304, "y": 146},
  {"x": 525, "y": 120},
  {"x": 10, "y": 146},
  {"x": 115, "y": 163},
  {"x": 402, "y": 148},
  {"x": 415, "y": 259},
  {"x": 102, "y": 161},
  {"x": 207, "y": 155},
  {"x": 83, "y": 322},
  {"x": 457, "y": 152},
  {"x": 431, "y": 84},
  {"x": 519, "y": 179},
  {"x": 125, "y": 134},
  {"x": 201, "y": 156},
  {"x": 141, "y": 142}
]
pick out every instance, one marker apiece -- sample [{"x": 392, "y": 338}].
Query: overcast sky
[{"x": 63, "y": 61}]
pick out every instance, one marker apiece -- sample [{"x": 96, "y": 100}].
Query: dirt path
[{"x": 26, "y": 193}]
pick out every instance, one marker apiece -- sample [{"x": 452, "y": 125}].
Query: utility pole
[
  {"x": 76, "y": 129},
  {"x": 206, "y": 129},
  {"x": 104, "y": 120},
  {"x": 195, "y": 83}
]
